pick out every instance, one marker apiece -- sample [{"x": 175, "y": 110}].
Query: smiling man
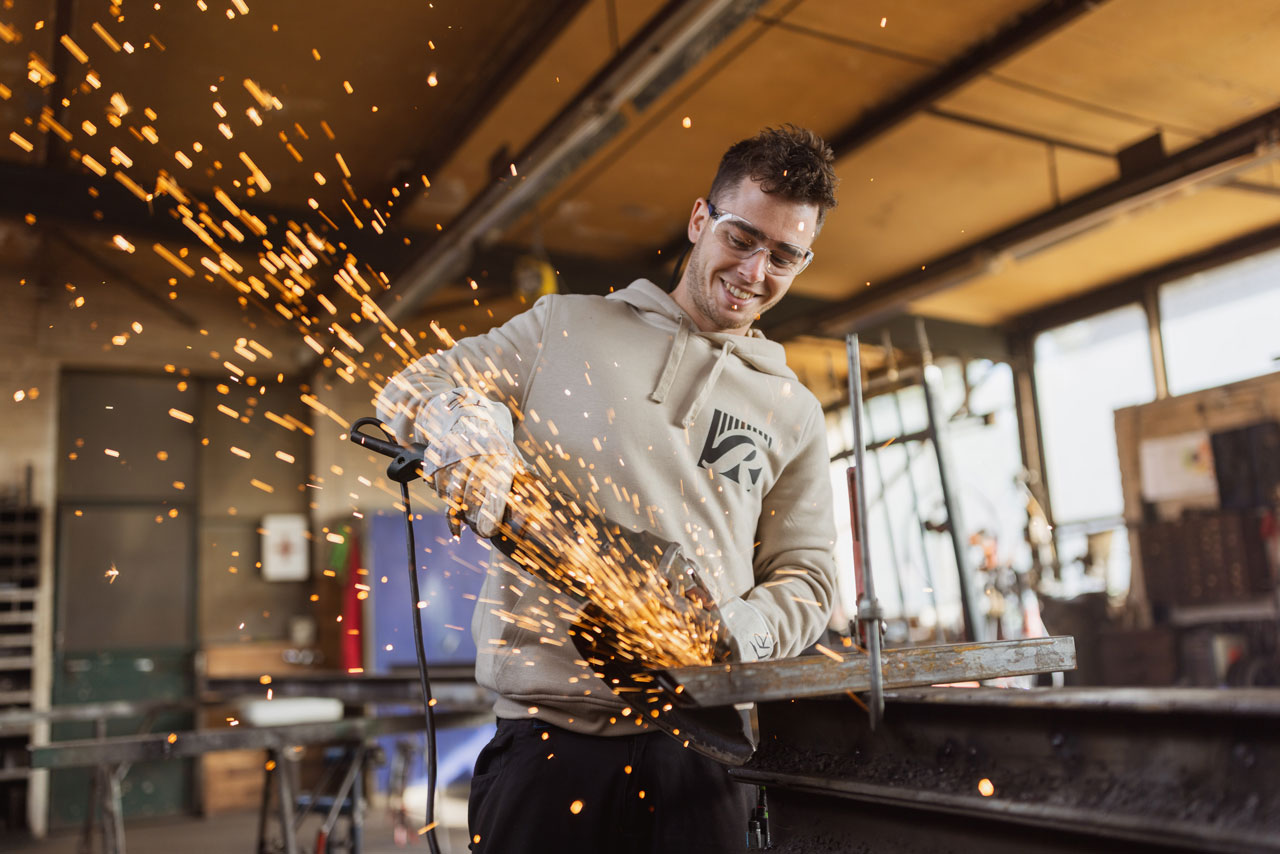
[
  {"x": 770, "y": 195},
  {"x": 668, "y": 414}
]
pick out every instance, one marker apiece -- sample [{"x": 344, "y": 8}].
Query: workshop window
[
  {"x": 1220, "y": 326},
  {"x": 915, "y": 571},
  {"x": 1084, "y": 371}
]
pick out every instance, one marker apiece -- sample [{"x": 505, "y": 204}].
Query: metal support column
[
  {"x": 975, "y": 629},
  {"x": 1155, "y": 338},
  {"x": 911, "y": 484}
]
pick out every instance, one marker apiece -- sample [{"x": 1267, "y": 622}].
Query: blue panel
[{"x": 448, "y": 573}]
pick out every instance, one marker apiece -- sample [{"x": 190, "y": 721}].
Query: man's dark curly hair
[{"x": 789, "y": 161}]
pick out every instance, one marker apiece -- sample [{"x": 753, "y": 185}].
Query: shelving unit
[{"x": 19, "y": 597}]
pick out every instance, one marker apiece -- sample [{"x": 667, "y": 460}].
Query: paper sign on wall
[
  {"x": 1178, "y": 466},
  {"x": 284, "y": 547}
]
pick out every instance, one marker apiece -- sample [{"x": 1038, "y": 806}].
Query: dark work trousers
[{"x": 538, "y": 788}]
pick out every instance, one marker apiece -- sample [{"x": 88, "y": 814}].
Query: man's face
[{"x": 724, "y": 292}]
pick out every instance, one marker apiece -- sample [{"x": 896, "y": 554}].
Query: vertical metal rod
[
  {"x": 263, "y": 806},
  {"x": 974, "y": 628},
  {"x": 113, "y": 806},
  {"x": 911, "y": 482},
  {"x": 285, "y": 790},
  {"x": 357, "y": 810},
  {"x": 868, "y": 606},
  {"x": 888, "y": 519},
  {"x": 1155, "y": 339}
]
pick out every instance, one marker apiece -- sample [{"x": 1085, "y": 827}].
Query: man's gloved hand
[
  {"x": 692, "y": 595},
  {"x": 471, "y": 457}
]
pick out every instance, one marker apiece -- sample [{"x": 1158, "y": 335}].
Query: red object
[{"x": 352, "y": 607}]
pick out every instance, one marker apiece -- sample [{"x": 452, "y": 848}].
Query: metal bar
[
  {"x": 357, "y": 815},
  {"x": 1023, "y": 32},
  {"x": 1035, "y": 474},
  {"x": 344, "y": 788},
  {"x": 869, "y": 615},
  {"x": 1155, "y": 340},
  {"x": 973, "y": 624},
  {"x": 1130, "y": 289},
  {"x": 911, "y": 483},
  {"x": 821, "y": 675},
  {"x": 1009, "y": 130},
  {"x": 285, "y": 791},
  {"x": 890, "y": 539},
  {"x": 113, "y": 814},
  {"x": 141, "y": 748}
]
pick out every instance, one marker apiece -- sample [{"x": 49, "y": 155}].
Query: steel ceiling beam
[
  {"x": 1215, "y": 161},
  {"x": 75, "y": 199},
  {"x": 1131, "y": 289},
  {"x": 1023, "y": 32},
  {"x": 676, "y": 38}
]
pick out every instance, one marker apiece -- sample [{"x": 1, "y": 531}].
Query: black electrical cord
[
  {"x": 406, "y": 465},
  {"x": 422, "y": 672}
]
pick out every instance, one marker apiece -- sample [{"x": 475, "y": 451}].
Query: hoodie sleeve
[
  {"x": 498, "y": 364},
  {"x": 794, "y": 561}
]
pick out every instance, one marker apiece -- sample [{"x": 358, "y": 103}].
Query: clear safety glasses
[{"x": 743, "y": 239}]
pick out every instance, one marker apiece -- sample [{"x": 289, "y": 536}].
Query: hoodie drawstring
[
  {"x": 705, "y": 391},
  {"x": 674, "y": 356}
]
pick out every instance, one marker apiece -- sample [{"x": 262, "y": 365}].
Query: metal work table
[
  {"x": 460, "y": 702},
  {"x": 1005, "y": 770}
]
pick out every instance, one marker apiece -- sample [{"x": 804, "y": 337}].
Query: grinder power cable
[{"x": 523, "y": 537}]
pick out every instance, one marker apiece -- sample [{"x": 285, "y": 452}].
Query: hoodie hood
[
  {"x": 753, "y": 348},
  {"x": 657, "y": 307}
]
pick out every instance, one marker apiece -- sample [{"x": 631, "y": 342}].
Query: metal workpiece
[
  {"x": 839, "y": 673},
  {"x": 994, "y": 770}
]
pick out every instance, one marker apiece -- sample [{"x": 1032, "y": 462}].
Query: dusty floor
[{"x": 236, "y": 833}]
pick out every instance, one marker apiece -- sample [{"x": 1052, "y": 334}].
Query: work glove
[
  {"x": 471, "y": 458},
  {"x": 743, "y": 634}
]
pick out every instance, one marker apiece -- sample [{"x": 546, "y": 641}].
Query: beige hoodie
[{"x": 704, "y": 439}]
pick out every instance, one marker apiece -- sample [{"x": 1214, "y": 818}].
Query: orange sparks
[
  {"x": 74, "y": 49},
  {"x": 258, "y": 176},
  {"x": 111, "y": 574}
]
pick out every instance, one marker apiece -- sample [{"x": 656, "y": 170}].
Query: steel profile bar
[
  {"x": 682, "y": 33},
  {"x": 822, "y": 675}
]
